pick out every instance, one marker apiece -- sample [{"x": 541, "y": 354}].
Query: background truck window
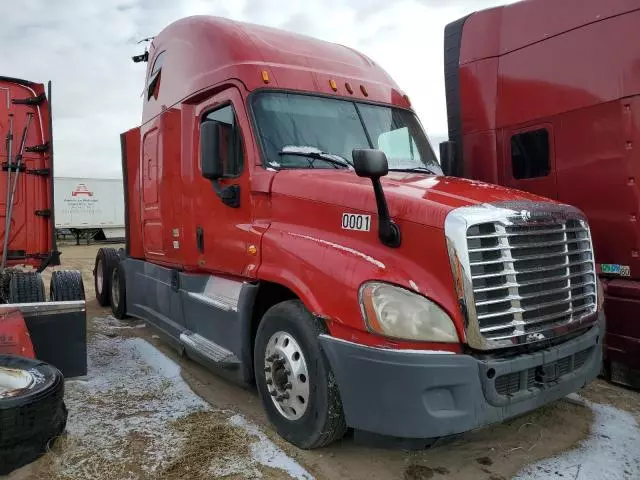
[
  {"x": 530, "y": 154},
  {"x": 230, "y": 143}
]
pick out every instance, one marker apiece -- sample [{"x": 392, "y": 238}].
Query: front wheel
[{"x": 294, "y": 380}]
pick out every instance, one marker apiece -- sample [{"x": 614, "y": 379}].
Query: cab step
[{"x": 209, "y": 350}]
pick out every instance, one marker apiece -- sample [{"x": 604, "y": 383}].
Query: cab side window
[
  {"x": 154, "y": 76},
  {"x": 530, "y": 157},
  {"x": 229, "y": 140}
]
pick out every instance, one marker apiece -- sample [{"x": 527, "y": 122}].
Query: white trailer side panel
[{"x": 89, "y": 203}]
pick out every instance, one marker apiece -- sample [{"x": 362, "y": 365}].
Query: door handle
[{"x": 200, "y": 239}]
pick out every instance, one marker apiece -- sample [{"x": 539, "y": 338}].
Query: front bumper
[{"x": 413, "y": 394}]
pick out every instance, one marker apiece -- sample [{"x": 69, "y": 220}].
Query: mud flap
[{"x": 58, "y": 333}]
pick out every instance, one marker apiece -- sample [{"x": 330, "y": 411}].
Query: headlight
[{"x": 395, "y": 312}]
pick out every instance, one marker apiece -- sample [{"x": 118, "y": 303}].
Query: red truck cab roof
[
  {"x": 198, "y": 53},
  {"x": 510, "y": 27}
]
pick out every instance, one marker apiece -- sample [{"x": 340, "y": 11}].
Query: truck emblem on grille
[{"x": 535, "y": 337}]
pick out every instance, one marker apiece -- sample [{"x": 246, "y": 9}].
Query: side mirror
[
  {"x": 370, "y": 163},
  {"x": 448, "y": 157},
  {"x": 210, "y": 160},
  {"x": 373, "y": 164}
]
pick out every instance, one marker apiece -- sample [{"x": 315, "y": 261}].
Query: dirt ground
[{"x": 494, "y": 453}]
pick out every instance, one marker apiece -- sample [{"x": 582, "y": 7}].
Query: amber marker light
[
  {"x": 333, "y": 85},
  {"x": 265, "y": 76}
]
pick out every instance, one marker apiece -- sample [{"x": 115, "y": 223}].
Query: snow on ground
[
  {"x": 127, "y": 413},
  {"x": 612, "y": 451}
]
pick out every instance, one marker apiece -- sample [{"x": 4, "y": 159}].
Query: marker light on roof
[
  {"x": 406, "y": 97},
  {"x": 265, "y": 76},
  {"x": 333, "y": 85},
  {"x": 349, "y": 87},
  {"x": 363, "y": 89}
]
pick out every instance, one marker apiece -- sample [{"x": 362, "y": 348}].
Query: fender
[{"x": 336, "y": 266}]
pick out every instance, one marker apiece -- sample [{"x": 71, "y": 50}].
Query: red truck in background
[
  {"x": 27, "y": 238},
  {"x": 543, "y": 96},
  {"x": 41, "y": 342},
  {"x": 287, "y": 225}
]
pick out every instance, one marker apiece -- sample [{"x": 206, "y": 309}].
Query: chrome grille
[{"x": 529, "y": 278}]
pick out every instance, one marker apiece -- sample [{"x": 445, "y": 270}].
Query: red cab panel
[{"x": 25, "y": 128}]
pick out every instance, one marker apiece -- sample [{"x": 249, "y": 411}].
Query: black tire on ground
[
  {"x": 323, "y": 420},
  {"x": 118, "y": 293},
  {"x": 26, "y": 287},
  {"x": 106, "y": 259},
  {"x": 66, "y": 285},
  {"x": 33, "y": 418}
]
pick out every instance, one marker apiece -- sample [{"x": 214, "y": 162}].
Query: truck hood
[{"x": 420, "y": 198}]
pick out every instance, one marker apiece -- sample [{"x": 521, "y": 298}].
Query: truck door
[
  {"x": 529, "y": 160},
  {"x": 222, "y": 234}
]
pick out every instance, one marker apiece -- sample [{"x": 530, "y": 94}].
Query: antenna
[{"x": 144, "y": 57}]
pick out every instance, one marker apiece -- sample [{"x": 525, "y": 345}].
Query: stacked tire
[
  {"x": 66, "y": 285},
  {"x": 28, "y": 287},
  {"x": 32, "y": 414}
]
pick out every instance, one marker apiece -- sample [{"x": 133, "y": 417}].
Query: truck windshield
[{"x": 289, "y": 122}]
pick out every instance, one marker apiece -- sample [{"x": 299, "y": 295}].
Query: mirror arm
[
  {"x": 230, "y": 195},
  {"x": 388, "y": 231}
]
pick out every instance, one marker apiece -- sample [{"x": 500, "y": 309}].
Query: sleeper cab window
[
  {"x": 228, "y": 141},
  {"x": 154, "y": 76},
  {"x": 530, "y": 154}
]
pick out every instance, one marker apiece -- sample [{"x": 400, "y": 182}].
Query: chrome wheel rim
[
  {"x": 115, "y": 289},
  {"x": 13, "y": 381},
  {"x": 99, "y": 277},
  {"x": 287, "y": 375}
]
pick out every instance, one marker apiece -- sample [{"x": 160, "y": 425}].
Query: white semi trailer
[{"x": 89, "y": 208}]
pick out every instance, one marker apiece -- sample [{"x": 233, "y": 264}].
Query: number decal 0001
[{"x": 352, "y": 221}]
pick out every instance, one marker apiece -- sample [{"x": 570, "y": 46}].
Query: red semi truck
[
  {"x": 28, "y": 243},
  {"x": 288, "y": 226},
  {"x": 40, "y": 341},
  {"x": 543, "y": 96}
]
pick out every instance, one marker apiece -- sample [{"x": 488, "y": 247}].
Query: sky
[{"x": 85, "y": 49}]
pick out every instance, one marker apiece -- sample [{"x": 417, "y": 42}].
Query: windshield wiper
[
  {"x": 414, "y": 169},
  {"x": 313, "y": 153}
]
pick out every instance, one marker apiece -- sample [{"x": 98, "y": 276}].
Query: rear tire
[
  {"x": 66, "y": 285},
  {"x": 106, "y": 260},
  {"x": 26, "y": 287},
  {"x": 34, "y": 416},
  {"x": 323, "y": 419},
  {"x": 118, "y": 293}
]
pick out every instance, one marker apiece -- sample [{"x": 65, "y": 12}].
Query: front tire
[{"x": 294, "y": 380}]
